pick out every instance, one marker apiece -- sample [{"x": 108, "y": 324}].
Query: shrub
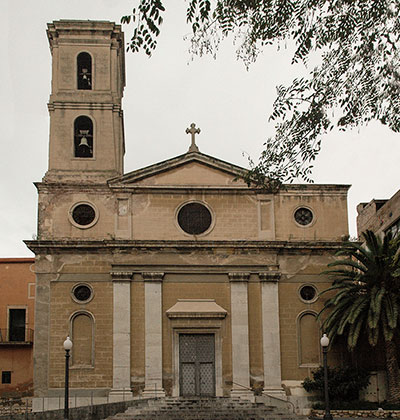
[{"x": 344, "y": 383}]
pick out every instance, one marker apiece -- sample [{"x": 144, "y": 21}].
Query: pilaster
[
  {"x": 121, "y": 336},
  {"x": 271, "y": 338},
  {"x": 153, "y": 386},
  {"x": 240, "y": 336}
]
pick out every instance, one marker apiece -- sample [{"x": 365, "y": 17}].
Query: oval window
[{"x": 194, "y": 218}]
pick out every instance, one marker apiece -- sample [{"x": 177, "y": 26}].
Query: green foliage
[
  {"x": 366, "y": 287},
  {"x": 366, "y": 298},
  {"x": 356, "y": 79},
  {"x": 357, "y": 405},
  {"x": 344, "y": 383}
]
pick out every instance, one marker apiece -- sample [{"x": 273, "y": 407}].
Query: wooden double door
[{"x": 197, "y": 365}]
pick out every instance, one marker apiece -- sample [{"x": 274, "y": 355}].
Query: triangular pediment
[{"x": 191, "y": 169}]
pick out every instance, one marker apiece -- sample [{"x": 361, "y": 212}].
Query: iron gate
[{"x": 197, "y": 365}]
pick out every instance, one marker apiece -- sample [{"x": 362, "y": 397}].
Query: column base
[
  {"x": 153, "y": 393},
  {"x": 278, "y": 393},
  {"x": 243, "y": 394},
  {"x": 120, "y": 394}
]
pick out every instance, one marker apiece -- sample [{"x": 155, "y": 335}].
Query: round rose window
[
  {"x": 303, "y": 216},
  {"x": 194, "y": 218}
]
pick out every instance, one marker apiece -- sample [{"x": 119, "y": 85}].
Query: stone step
[{"x": 220, "y": 408}]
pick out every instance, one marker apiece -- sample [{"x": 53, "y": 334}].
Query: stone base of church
[
  {"x": 278, "y": 393},
  {"x": 153, "y": 393},
  {"x": 243, "y": 394},
  {"x": 116, "y": 395}
]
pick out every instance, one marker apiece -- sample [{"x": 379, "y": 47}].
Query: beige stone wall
[
  {"x": 290, "y": 307},
  {"x": 55, "y": 219},
  {"x": 106, "y": 132},
  {"x": 236, "y": 216},
  {"x": 62, "y": 307},
  {"x": 329, "y": 210}
]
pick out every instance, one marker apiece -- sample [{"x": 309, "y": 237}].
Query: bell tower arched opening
[{"x": 83, "y": 137}]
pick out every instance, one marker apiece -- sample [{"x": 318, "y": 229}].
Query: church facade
[{"x": 175, "y": 279}]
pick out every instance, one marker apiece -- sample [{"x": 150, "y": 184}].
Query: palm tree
[{"x": 366, "y": 300}]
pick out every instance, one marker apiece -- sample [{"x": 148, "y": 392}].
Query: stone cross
[{"x": 193, "y": 131}]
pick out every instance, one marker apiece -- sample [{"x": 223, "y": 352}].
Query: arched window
[
  {"x": 83, "y": 137},
  {"x": 308, "y": 339},
  {"x": 82, "y": 338},
  {"x": 84, "y": 71}
]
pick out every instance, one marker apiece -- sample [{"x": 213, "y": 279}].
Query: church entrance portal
[{"x": 197, "y": 365}]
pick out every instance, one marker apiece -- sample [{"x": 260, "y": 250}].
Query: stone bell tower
[{"x": 86, "y": 120}]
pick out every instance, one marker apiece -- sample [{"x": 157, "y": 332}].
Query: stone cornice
[
  {"x": 108, "y": 245},
  {"x": 116, "y": 107},
  {"x": 239, "y": 276},
  {"x": 269, "y": 276},
  {"x": 152, "y": 276}
]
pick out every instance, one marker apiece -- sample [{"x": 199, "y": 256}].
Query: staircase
[{"x": 203, "y": 409}]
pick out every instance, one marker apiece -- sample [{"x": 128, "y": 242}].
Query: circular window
[
  {"x": 308, "y": 293},
  {"x": 83, "y": 215},
  {"x": 303, "y": 216},
  {"x": 194, "y": 218},
  {"x": 82, "y": 293}
]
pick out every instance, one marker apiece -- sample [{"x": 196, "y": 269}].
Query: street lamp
[
  {"x": 324, "y": 345},
  {"x": 67, "y": 348}
]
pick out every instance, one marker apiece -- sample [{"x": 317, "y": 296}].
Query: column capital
[
  {"x": 239, "y": 276},
  {"x": 154, "y": 276},
  {"x": 270, "y": 276},
  {"x": 121, "y": 275}
]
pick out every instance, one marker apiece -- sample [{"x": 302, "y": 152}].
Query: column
[
  {"x": 271, "y": 339},
  {"x": 153, "y": 334},
  {"x": 121, "y": 389},
  {"x": 240, "y": 336}
]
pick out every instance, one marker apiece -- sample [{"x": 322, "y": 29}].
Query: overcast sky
[{"x": 163, "y": 96}]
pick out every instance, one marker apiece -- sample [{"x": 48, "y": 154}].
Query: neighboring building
[
  {"x": 174, "y": 279},
  {"x": 17, "y": 303},
  {"x": 380, "y": 216}
]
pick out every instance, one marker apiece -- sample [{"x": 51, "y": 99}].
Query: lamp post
[
  {"x": 67, "y": 348},
  {"x": 324, "y": 345}
]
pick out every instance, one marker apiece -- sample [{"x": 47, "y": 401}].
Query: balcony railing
[{"x": 16, "y": 335}]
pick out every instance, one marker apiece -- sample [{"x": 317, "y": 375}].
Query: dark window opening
[
  {"x": 16, "y": 324},
  {"x": 308, "y": 293},
  {"x": 82, "y": 293},
  {"x": 303, "y": 216},
  {"x": 84, "y": 65},
  {"x": 83, "y": 214},
  {"x": 6, "y": 377},
  {"x": 194, "y": 218},
  {"x": 83, "y": 137}
]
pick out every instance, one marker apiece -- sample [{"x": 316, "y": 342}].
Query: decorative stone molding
[
  {"x": 121, "y": 275},
  {"x": 270, "y": 276},
  {"x": 238, "y": 276},
  {"x": 147, "y": 276},
  {"x": 196, "y": 308}
]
